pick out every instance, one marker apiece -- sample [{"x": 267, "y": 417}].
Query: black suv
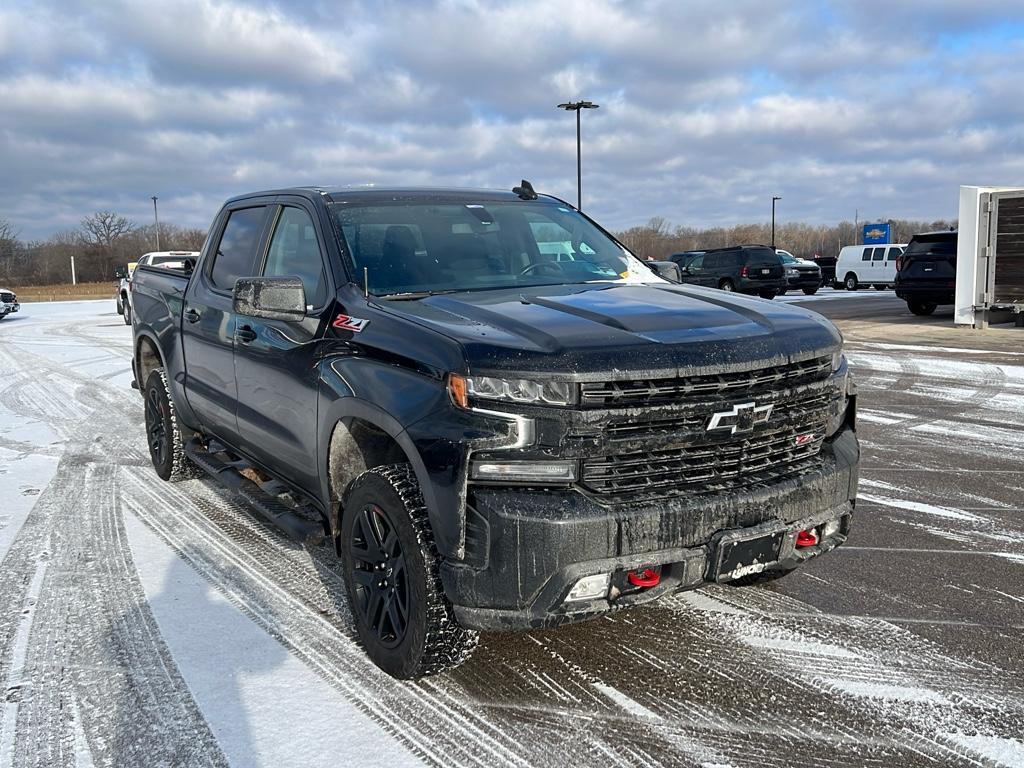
[
  {"x": 926, "y": 272},
  {"x": 754, "y": 269}
]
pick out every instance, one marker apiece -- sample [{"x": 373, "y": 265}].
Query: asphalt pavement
[{"x": 143, "y": 623}]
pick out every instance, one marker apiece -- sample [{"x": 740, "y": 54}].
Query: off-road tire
[
  {"x": 764, "y": 577},
  {"x": 432, "y": 641},
  {"x": 127, "y": 313},
  {"x": 921, "y": 307},
  {"x": 810, "y": 291},
  {"x": 726, "y": 285},
  {"x": 170, "y": 461},
  {"x": 850, "y": 282}
]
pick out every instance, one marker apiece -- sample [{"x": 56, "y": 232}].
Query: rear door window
[
  {"x": 879, "y": 254},
  {"x": 893, "y": 254},
  {"x": 236, "y": 254}
]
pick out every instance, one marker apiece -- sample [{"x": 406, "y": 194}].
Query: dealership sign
[{"x": 876, "y": 233}]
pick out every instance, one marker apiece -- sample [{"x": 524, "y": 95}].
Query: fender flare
[{"x": 356, "y": 407}]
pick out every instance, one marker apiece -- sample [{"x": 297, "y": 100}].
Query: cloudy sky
[{"x": 708, "y": 108}]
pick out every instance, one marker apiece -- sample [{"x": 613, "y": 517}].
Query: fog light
[
  {"x": 525, "y": 471},
  {"x": 831, "y": 528},
  {"x": 590, "y": 588}
]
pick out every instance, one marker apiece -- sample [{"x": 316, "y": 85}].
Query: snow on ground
[{"x": 143, "y": 623}]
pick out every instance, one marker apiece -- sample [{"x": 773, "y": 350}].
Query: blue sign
[{"x": 876, "y": 233}]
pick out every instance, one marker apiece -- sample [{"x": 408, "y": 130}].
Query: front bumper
[
  {"x": 6, "y": 307},
  {"x": 810, "y": 280},
  {"x": 529, "y": 547}
]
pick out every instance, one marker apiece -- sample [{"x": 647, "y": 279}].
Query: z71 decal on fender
[{"x": 347, "y": 323}]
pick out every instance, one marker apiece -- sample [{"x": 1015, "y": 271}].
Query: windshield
[
  {"x": 787, "y": 258},
  {"x": 411, "y": 248}
]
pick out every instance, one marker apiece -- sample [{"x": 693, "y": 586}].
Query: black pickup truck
[{"x": 497, "y": 415}]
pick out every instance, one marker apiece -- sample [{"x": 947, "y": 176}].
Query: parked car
[
  {"x": 864, "y": 265},
  {"x": 8, "y": 303},
  {"x": 491, "y": 438},
  {"x": 167, "y": 259},
  {"x": 752, "y": 269},
  {"x": 800, "y": 273},
  {"x": 927, "y": 271}
]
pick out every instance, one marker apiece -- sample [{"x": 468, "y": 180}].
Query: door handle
[
  {"x": 192, "y": 316},
  {"x": 245, "y": 334}
]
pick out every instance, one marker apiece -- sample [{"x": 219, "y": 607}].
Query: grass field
[{"x": 65, "y": 292}]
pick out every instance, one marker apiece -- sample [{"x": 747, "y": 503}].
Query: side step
[{"x": 297, "y": 521}]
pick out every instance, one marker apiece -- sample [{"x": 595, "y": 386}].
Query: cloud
[{"x": 707, "y": 108}]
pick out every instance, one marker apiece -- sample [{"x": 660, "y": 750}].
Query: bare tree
[{"x": 104, "y": 228}]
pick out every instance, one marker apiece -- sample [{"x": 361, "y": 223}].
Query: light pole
[
  {"x": 576, "y": 106},
  {"x": 156, "y": 219},
  {"x": 774, "y": 198}
]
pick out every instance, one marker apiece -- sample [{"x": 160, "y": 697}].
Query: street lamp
[
  {"x": 576, "y": 106},
  {"x": 774, "y": 198},
  {"x": 156, "y": 219}
]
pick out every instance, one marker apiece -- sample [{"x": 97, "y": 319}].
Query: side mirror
[
  {"x": 273, "y": 298},
  {"x": 120, "y": 273},
  {"x": 666, "y": 269}
]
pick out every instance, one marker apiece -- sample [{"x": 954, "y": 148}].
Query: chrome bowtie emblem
[{"x": 742, "y": 418}]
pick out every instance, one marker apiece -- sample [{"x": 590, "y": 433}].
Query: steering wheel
[{"x": 552, "y": 265}]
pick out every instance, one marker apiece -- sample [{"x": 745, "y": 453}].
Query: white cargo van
[{"x": 863, "y": 265}]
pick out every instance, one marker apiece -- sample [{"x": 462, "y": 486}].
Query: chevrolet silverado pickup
[{"x": 491, "y": 432}]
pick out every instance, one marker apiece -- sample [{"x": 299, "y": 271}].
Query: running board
[{"x": 265, "y": 498}]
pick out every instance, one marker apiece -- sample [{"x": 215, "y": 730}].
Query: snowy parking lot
[{"x": 150, "y": 624}]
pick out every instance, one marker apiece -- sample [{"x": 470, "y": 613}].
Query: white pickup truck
[
  {"x": 8, "y": 303},
  {"x": 169, "y": 259}
]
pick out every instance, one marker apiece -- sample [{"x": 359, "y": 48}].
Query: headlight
[
  {"x": 510, "y": 390},
  {"x": 838, "y": 358},
  {"x": 791, "y": 272}
]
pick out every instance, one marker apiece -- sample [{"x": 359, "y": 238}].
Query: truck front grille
[
  {"x": 611, "y": 394},
  {"x": 7, "y": 297},
  {"x": 705, "y": 468}
]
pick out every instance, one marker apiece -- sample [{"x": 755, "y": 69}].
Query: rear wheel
[
  {"x": 163, "y": 433},
  {"x": 810, "y": 291},
  {"x": 726, "y": 285},
  {"x": 921, "y": 307},
  {"x": 404, "y": 621},
  {"x": 850, "y": 282},
  {"x": 879, "y": 286}
]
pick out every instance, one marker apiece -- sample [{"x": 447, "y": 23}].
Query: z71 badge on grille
[{"x": 742, "y": 418}]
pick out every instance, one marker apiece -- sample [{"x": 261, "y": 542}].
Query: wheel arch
[{"x": 357, "y": 435}]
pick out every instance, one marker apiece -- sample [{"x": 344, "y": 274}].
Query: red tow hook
[
  {"x": 808, "y": 538},
  {"x": 646, "y": 577}
]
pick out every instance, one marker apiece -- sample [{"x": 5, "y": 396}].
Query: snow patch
[
  {"x": 866, "y": 689},
  {"x": 1008, "y": 752},
  {"x": 928, "y": 509}
]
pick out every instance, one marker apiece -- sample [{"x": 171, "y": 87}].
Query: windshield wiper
[{"x": 413, "y": 295}]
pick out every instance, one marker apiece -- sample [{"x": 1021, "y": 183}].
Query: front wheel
[
  {"x": 921, "y": 307},
  {"x": 127, "y": 314},
  {"x": 810, "y": 291},
  {"x": 850, "y": 282},
  {"x": 391, "y": 566}
]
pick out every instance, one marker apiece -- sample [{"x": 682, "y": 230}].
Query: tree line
[
  {"x": 102, "y": 242},
  {"x": 106, "y": 240},
  {"x": 657, "y": 238}
]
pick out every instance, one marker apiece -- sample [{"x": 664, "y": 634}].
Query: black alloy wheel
[
  {"x": 379, "y": 576},
  {"x": 157, "y": 430}
]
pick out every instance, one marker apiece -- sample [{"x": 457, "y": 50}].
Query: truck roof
[{"x": 338, "y": 194}]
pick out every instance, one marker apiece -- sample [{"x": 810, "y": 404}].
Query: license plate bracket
[{"x": 740, "y": 555}]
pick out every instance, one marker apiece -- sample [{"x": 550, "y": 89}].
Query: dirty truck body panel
[{"x": 697, "y": 425}]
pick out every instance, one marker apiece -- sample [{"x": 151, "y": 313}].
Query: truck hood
[{"x": 595, "y": 331}]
